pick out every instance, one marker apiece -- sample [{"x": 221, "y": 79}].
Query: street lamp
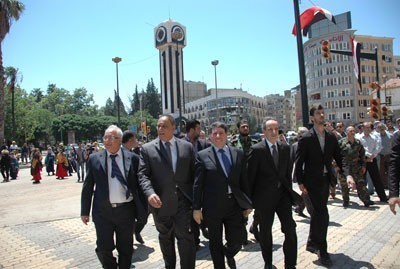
[
  {"x": 215, "y": 63},
  {"x": 177, "y": 35},
  {"x": 116, "y": 60}
]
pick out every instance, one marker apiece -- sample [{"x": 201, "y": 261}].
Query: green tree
[
  {"x": 38, "y": 94},
  {"x": 109, "y": 109},
  {"x": 56, "y": 100},
  {"x": 152, "y": 100},
  {"x": 135, "y": 101},
  {"x": 13, "y": 76},
  {"x": 10, "y": 10}
]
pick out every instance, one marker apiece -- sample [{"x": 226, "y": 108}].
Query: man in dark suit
[
  {"x": 221, "y": 195},
  {"x": 315, "y": 152},
  {"x": 269, "y": 170},
  {"x": 166, "y": 174},
  {"x": 394, "y": 174},
  {"x": 130, "y": 143},
  {"x": 193, "y": 130},
  {"x": 111, "y": 180}
]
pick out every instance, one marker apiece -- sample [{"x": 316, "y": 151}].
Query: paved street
[{"x": 40, "y": 227}]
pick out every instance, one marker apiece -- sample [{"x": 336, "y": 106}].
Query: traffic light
[
  {"x": 384, "y": 111},
  {"x": 143, "y": 126},
  {"x": 148, "y": 129},
  {"x": 375, "y": 108},
  {"x": 326, "y": 49}
]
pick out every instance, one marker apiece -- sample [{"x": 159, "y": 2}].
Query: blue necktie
[
  {"x": 116, "y": 172},
  {"x": 225, "y": 161}
]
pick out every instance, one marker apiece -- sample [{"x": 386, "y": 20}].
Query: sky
[{"x": 71, "y": 43}]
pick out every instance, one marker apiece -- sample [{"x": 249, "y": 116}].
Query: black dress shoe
[
  {"x": 345, "y": 204},
  {"x": 204, "y": 231},
  {"x": 368, "y": 203},
  {"x": 231, "y": 262},
  {"x": 254, "y": 230},
  {"x": 139, "y": 238},
  {"x": 384, "y": 200},
  {"x": 324, "y": 259},
  {"x": 312, "y": 249}
]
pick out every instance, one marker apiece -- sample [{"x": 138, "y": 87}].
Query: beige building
[
  {"x": 396, "y": 64},
  {"x": 280, "y": 107},
  {"x": 194, "y": 90},
  {"x": 231, "y": 106},
  {"x": 332, "y": 82},
  {"x": 390, "y": 91}
]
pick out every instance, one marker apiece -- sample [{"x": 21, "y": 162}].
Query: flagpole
[{"x": 302, "y": 73}]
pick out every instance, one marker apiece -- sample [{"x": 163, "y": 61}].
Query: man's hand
[
  {"x": 350, "y": 181},
  {"x": 303, "y": 189},
  {"x": 197, "y": 216},
  {"x": 247, "y": 212},
  {"x": 154, "y": 201},
  {"x": 85, "y": 219},
  {"x": 392, "y": 204}
]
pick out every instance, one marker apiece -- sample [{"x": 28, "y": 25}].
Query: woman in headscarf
[{"x": 36, "y": 166}]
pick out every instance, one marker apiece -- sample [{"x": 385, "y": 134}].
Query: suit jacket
[
  {"x": 96, "y": 182},
  {"x": 156, "y": 176},
  {"x": 310, "y": 160},
  {"x": 264, "y": 176},
  {"x": 394, "y": 167},
  {"x": 211, "y": 184}
]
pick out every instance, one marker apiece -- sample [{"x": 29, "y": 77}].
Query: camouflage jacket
[
  {"x": 353, "y": 156},
  {"x": 240, "y": 143}
]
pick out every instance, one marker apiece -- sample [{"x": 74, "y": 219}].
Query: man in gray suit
[{"x": 166, "y": 175}]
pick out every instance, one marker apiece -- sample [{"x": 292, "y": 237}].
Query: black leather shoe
[
  {"x": 254, "y": 230},
  {"x": 345, "y": 204},
  {"x": 312, "y": 249},
  {"x": 231, "y": 262},
  {"x": 368, "y": 203},
  {"x": 204, "y": 231},
  {"x": 139, "y": 238},
  {"x": 324, "y": 259}
]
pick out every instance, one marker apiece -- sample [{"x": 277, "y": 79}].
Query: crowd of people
[{"x": 210, "y": 185}]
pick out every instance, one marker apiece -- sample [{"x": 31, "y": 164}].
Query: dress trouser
[
  {"x": 319, "y": 222},
  {"x": 281, "y": 205},
  {"x": 231, "y": 219},
  {"x": 372, "y": 168},
  {"x": 119, "y": 223},
  {"x": 178, "y": 226}
]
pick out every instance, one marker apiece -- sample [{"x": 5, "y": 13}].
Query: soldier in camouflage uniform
[
  {"x": 244, "y": 142},
  {"x": 354, "y": 163}
]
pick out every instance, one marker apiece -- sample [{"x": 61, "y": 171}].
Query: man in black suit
[
  {"x": 221, "y": 195},
  {"x": 394, "y": 174},
  {"x": 111, "y": 180},
  {"x": 315, "y": 152},
  {"x": 269, "y": 170},
  {"x": 193, "y": 130},
  {"x": 166, "y": 174},
  {"x": 130, "y": 143}
]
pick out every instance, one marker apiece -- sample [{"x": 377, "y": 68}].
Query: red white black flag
[
  {"x": 355, "y": 52},
  {"x": 312, "y": 15}
]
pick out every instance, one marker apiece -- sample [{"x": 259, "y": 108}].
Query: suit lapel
[
  {"x": 103, "y": 161},
  {"x": 233, "y": 156},
  {"x": 316, "y": 140},
  {"x": 127, "y": 163}
]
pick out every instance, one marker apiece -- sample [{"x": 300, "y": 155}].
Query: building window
[{"x": 346, "y": 116}]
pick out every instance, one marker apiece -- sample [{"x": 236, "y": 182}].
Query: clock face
[
  {"x": 161, "y": 34},
  {"x": 177, "y": 33}
]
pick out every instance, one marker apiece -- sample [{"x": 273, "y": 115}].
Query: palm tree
[
  {"x": 12, "y": 76},
  {"x": 10, "y": 10}
]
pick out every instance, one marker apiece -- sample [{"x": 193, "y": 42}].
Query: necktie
[
  {"x": 275, "y": 156},
  {"x": 116, "y": 172},
  {"x": 225, "y": 161},
  {"x": 168, "y": 150}
]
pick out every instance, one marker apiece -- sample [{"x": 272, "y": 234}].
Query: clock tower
[{"x": 170, "y": 39}]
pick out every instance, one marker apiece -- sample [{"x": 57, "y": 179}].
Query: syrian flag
[
  {"x": 355, "y": 52},
  {"x": 311, "y": 16}
]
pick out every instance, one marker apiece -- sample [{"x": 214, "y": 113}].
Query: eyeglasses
[{"x": 110, "y": 137}]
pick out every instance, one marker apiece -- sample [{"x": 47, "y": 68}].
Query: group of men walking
[{"x": 215, "y": 184}]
